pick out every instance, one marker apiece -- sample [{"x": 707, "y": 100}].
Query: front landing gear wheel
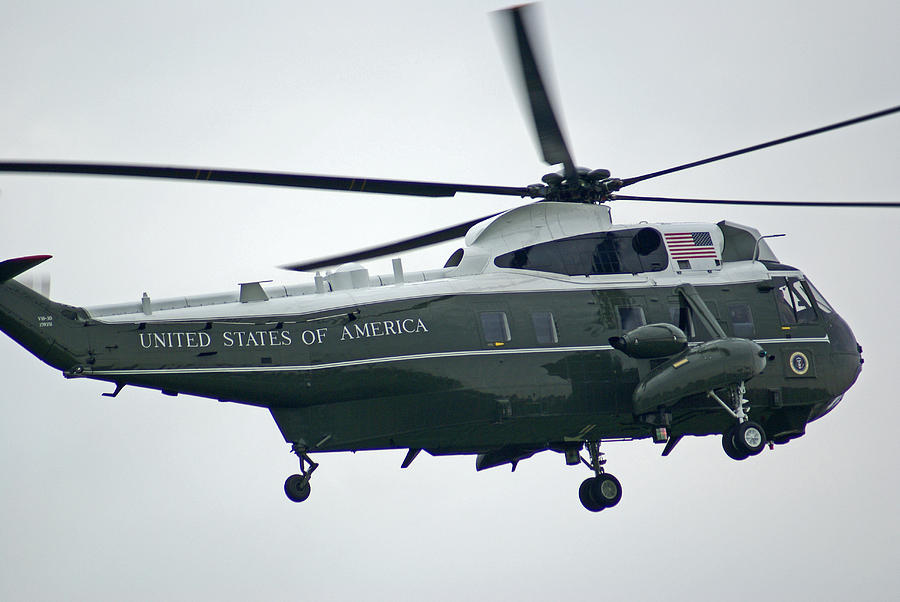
[
  {"x": 602, "y": 490},
  {"x": 297, "y": 488},
  {"x": 587, "y": 497},
  {"x": 606, "y": 490},
  {"x": 749, "y": 437},
  {"x": 730, "y": 448}
]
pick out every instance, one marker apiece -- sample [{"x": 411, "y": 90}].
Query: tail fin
[
  {"x": 11, "y": 268},
  {"x": 51, "y": 331}
]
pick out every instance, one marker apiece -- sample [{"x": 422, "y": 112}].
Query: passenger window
[
  {"x": 741, "y": 320},
  {"x": 495, "y": 327},
  {"x": 544, "y": 327},
  {"x": 680, "y": 316},
  {"x": 631, "y": 317}
]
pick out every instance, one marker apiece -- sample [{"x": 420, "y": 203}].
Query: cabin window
[
  {"x": 495, "y": 327},
  {"x": 680, "y": 316},
  {"x": 741, "y": 320},
  {"x": 630, "y": 251},
  {"x": 544, "y": 327},
  {"x": 631, "y": 317}
]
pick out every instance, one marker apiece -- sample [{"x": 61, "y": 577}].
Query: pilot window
[
  {"x": 495, "y": 327},
  {"x": 806, "y": 311},
  {"x": 741, "y": 320},
  {"x": 629, "y": 251},
  {"x": 794, "y": 305},
  {"x": 631, "y": 317},
  {"x": 544, "y": 327},
  {"x": 820, "y": 300}
]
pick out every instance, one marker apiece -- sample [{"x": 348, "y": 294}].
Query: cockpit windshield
[
  {"x": 794, "y": 305},
  {"x": 820, "y": 299}
]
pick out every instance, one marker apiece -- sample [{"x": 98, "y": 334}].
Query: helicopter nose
[
  {"x": 821, "y": 409},
  {"x": 847, "y": 361}
]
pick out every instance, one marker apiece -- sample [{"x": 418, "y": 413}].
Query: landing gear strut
[
  {"x": 296, "y": 487},
  {"x": 746, "y": 438},
  {"x": 602, "y": 490}
]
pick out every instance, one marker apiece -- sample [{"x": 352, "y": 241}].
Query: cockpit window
[
  {"x": 820, "y": 300},
  {"x": 785, "y": 303},
  {"x": 794, "y": 305},
  {"x": 806, "y": 312},
  {"x": 615, "y": 252}
]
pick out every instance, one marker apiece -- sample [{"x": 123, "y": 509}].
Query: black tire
[
  {"x": 296, "y": 489},
  {"x": 606, "y": 490},
  {"x": 749, "y": 437},
  {"x": 731, "y": 450},
  {"x": 587, "y": 499}
]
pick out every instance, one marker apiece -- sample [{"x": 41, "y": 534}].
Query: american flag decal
[{"x": 689, "y": 245}]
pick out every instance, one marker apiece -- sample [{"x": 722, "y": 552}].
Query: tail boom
[{"x": 53, "y": 332}]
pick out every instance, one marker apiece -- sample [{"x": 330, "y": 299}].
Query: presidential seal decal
[{"x": 799, "y": 363}]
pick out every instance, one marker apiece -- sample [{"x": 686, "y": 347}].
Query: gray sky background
[{"x": 153, "y": 497}]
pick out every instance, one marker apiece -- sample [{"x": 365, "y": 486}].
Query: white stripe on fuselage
[{"x": 401, "y": 358}]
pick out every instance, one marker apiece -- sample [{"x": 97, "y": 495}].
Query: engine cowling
[{"x": 651, "y": 341}]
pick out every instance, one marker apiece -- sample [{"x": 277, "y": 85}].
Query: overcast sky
[{"x": 152, "y": 497}]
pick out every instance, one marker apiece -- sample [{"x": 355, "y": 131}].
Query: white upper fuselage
[{"x": 476, "y": 273}]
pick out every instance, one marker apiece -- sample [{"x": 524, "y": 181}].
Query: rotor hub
[{"x": 591, "y": 186}]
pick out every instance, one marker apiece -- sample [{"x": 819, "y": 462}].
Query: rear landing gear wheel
[
  {"x": 749, "y": 437},
  {"x": 586, "y": 496},
  {"x": 297, "y": 488}
]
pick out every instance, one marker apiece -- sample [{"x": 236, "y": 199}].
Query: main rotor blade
[
  {"x": 550, "y": 136},
  {"x": 662, "y": 199},
  {"x": 756, "y": 147},
  {"x": 407, "y": 244},
  {"x": 262, "y": 178}
]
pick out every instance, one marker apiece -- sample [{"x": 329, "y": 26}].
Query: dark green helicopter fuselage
[{"x": 457, "y": 373}]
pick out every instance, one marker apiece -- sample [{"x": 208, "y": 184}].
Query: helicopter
[{"x": 556, "y": 330}]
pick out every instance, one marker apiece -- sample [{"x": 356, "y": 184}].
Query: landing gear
[
  {"x": 296, "y": 487},
  {"x": 730, "y": 448},
  {"x": 602, "y": 490},
  {"x": 587, "y": 496},
  {"x": 746, "y": 438},
  {"x": 749, "y": 437}
]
